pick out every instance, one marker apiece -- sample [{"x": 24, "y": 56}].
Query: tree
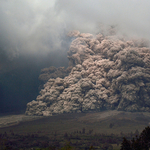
[
  {"x": 126, "y": 144},
  {"x": 67, "y": 146},
  {"x": 145, "y": 138},
  {"x": 91, "y": 148},
  {"x": 136, "y": 133},
  {"x": 107, "y": 146},
  {"x": 138, "y": 143},
  {"x": 83, "y": 131}
]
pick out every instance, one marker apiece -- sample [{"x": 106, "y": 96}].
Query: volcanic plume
[{"x": 107, "y": 73}]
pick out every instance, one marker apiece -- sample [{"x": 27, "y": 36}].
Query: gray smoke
[
  {"x": 33, "y": 33},
  {"x": 130, "y": 16},
  {"x": 108, "y": 73},
  {"x": 38, "y": 27},
  {"x": 29, "y": 28}
]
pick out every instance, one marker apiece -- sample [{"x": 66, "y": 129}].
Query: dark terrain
[{"x": 81, "y": 130}]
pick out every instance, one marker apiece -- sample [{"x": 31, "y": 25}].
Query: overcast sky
[{"x": 39, "y": 26}]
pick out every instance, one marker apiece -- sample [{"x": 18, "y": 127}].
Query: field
[{"x": 95, "y": 128}]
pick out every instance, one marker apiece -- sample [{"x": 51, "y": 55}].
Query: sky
[{"x": 33, "y": 34}]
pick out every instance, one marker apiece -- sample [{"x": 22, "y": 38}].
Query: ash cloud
[
  {"x": 39, "y": 27},
  {"x": 31, "y": 38},
  {"x": 29, "y": 28},
  {"x": 131, "y": 17},
  {"x": 33, "y": 34},
  {"x": 108, "y": 73}
]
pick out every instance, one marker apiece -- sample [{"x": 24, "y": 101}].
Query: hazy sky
[{"x": 39, "y": 26}]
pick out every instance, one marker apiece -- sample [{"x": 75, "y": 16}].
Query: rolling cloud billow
[
  {"x": 107, "y": 73},
  {"x": 34, "y": 35}
]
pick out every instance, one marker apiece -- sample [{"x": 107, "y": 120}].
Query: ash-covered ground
[{"x": 108, "y": 73}]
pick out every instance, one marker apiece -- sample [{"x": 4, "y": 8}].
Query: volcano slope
[{"x": 108, "y": 73}]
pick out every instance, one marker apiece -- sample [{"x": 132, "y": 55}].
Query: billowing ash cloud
[
  {"x": 108, "y": 73},
  {"x": 33, "y": 33}
]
